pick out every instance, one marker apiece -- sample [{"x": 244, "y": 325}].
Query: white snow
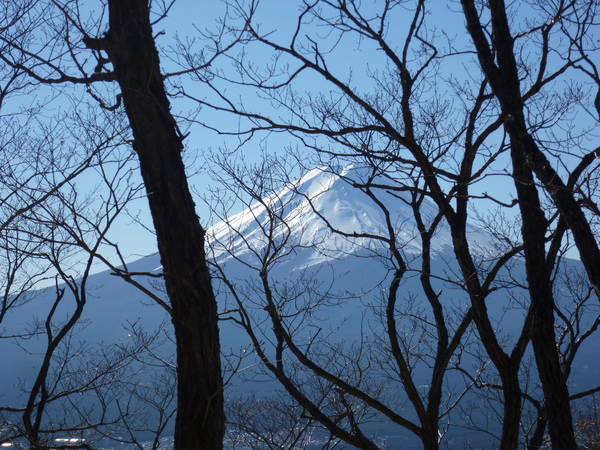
[{"x": 307, "y": 212}]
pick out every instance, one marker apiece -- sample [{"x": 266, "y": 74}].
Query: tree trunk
[
  {"x": 543, "y": 338},
  {"x": 131, "y": 49},
  {"x": 501, "y": 69},
  {"x": 511, "y": 421},
  {"x": 430, "y": 436}
]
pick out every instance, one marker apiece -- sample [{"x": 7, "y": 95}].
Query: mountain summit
[{"x": 337, "y": 211}]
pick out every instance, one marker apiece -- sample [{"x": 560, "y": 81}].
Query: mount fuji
[
  {"x": 321, "y": 234},
  {"x": 326, "y": 199}
]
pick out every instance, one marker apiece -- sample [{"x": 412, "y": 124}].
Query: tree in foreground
[
  {"x": 498, "y": 116},
  {"x": 436, "y": 114},
  {"x": 51, "y": 230},
  {"x": 68, "y": 47}
]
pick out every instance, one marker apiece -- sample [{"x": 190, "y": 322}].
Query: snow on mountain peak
[{"x": 325, "y": 212}]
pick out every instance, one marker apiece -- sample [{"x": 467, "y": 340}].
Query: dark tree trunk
[
  {"x": 501, "y": 69},
  {"x": 131, "y": 49},
  {"x": 537, "y": 439},
  {"x": 511, "y": 420},
  {"x": 543, "y": 337}
]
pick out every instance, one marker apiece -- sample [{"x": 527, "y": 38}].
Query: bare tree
[
  {"x": 404, "y": 336},
  {"x": 437, "y": 116},
  {"x": 442, "y": 113},
  {"x": 66, "y": 178},
  {"x": 121, "y": 50}
]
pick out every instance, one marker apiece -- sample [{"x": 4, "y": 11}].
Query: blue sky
[{"x": 349, "y": 57}]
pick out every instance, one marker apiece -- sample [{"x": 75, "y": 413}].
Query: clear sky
[{"x": 350, "y": 58}]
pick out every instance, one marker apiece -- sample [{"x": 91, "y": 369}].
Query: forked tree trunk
[
  {"x": 543, "y": 338},
  {"x": 131, "y": 49},
  {"x": 501, "y": 69}
]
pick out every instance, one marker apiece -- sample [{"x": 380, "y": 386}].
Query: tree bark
[
  {"x": 543, "y": 337},
  {"x": 131, "y": 49},
  {"x": 501, "y": 69}
]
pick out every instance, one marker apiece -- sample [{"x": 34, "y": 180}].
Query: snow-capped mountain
[
  {"x": 321, "y": 237},
  {"x": 309, "y": 211}
]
